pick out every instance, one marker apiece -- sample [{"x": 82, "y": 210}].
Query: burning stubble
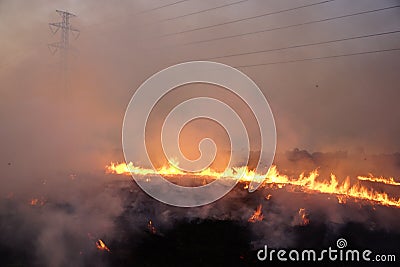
[
  {"x": 102, "y": 219},
  {"x": 49, "y": 219},
  {"x": 306, "y": 182}
]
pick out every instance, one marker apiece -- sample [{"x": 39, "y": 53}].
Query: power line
[
  {"x": 291, "y": 26},
  {"x": 305, "y": 45},
  {"x": 244, "y": 19},
  {"x": 146, "y": 11},
  {"x": 190, "y": 14},
  {"x": 160, "y": 7},
  {"x": 319, "y": 58},
  {"x": 203, "y": 11}
]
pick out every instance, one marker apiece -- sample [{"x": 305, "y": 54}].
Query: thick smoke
[
  {"x": 57, "y": 136},
  {"x": 73, "y": 211}
]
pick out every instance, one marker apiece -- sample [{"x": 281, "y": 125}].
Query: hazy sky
[{"x": 345, "y": 103}]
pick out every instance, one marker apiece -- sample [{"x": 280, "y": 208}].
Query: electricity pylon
[
  {"x": 63, "y": 44},
  {"x": 65, "y": 27}
]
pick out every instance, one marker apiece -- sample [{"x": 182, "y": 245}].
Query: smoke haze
[{"x": 58, "y": 132}]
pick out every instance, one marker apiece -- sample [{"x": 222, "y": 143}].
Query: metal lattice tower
[
  {"x": 66, "y": 28},
  {"x": 63, "y": 45}
]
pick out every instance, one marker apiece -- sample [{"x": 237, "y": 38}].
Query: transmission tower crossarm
[{"x": 65, "y": 13}]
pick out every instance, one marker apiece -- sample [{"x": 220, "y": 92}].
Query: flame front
[
  {"x": 383, "y": 180},
  {"x": 127, "y": 169},
  {"x": 332, "y": 186},
  {"x": 307, "y": 183}
]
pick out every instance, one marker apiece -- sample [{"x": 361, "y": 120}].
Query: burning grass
[{"x": 311, "y": 183}]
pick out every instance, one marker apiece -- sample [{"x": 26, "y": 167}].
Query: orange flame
[
  {"x": 341, "y": 199},
  {"x": 383, "y": 180},
  {"x": 102, "y": 246},
  {"x": 308, "y": 183},
  {"x": 241, "y": 173},
  {"x": 36, "y": 202},
  {"x": 151, "y": 227},
  {"x": 303, "y": 217},
  {"x": 257, "y": 215}
]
